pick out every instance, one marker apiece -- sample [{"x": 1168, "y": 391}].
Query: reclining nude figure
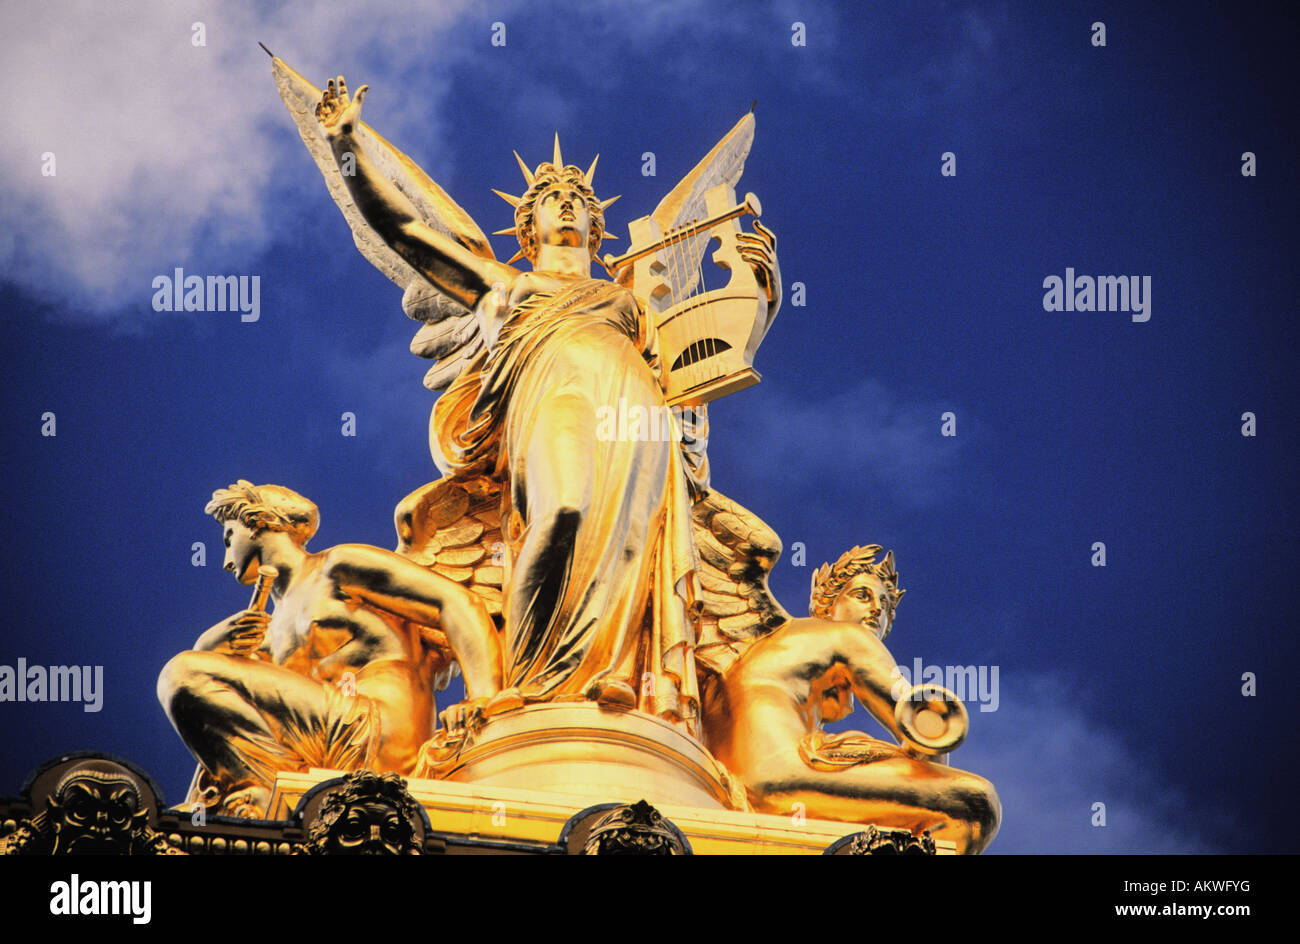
[
  {"x": 765, "y": 713},
  {"x": 340, "y": 676}
]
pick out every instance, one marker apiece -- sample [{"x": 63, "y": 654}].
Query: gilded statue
[
  {"x": 341, "y": 675},
  {"x": 764, "y": 717},
  {"x": 597, "y": 543},
  {"x": 608, "y": 608}
]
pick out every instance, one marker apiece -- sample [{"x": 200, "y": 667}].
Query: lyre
[{"x": 707, "y": 340}]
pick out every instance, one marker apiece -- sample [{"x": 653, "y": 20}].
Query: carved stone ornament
[
  {"x": 98, "y": 807},
  {"x": 367, "y": 814},
  {"x": 876, "y": 841},
  {"x": 637, "y": 829}
]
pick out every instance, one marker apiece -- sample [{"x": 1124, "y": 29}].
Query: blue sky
[{"x": 1120, "y": 685}]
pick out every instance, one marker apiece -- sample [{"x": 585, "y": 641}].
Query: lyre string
[
  {"x": 690, "y": 372},
  {"x": 677, "y": 267},
  {"x": 685, "y": 272},
  {"x": 696, "y": 263},
  {"x": 689, "y": 265}
]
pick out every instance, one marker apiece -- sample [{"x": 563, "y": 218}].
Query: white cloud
[
  {"x": 167, "y": 153},
  {"x": 164, "y": 150},
  {"x": 1051, "y": 762}
]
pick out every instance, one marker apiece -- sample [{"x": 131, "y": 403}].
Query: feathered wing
[
  {"x": 453, "y": 526},
  {"x": 685, "y": 203},
  {"x": 737, "y": 551},
  {"x": 450, "y": 333}
]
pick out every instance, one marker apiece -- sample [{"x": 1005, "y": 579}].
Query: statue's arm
[
  {"x": 390, "y": 582},
  {"x": 759, "y": 250},
  {"x": 872, "y": 674},
  {"x": 453, "y": 269},
  {"x": 213, "y": 637},
  {"x": 879, "y": 685}
]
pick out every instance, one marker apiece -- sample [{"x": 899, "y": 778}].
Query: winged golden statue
[
  {"x": 582, "y": 543},
  {"x": 608, "y": 609}
]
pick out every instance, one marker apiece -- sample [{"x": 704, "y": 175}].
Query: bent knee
[
  {"x": 975, "y": 800},
  {"x": 184, "y": 673}
]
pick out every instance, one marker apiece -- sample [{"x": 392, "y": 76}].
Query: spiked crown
[{"x": 545, "y": 177}]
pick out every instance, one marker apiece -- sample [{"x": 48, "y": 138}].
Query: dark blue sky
[{"x": 1119, "y": 685}]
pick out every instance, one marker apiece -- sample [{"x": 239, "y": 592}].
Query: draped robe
[{"x": 620, "y": 608}]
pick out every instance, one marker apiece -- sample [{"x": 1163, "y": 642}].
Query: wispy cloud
[
  {"x": 1051, "y": 763},
  {"x": 168, "y": 153},
  {"x": 164, "y": 149},
  {"x": 953, "y": 54},
  {"x": 892, "y": 448}
]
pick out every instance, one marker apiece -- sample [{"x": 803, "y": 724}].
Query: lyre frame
[{"x": 709, "y": 338}]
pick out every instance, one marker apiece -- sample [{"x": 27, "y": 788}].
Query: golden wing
[
  {"x": 453, "y": 527},
  {"x": 688, "y": 201},
  {"x": 737, "y": 551}
]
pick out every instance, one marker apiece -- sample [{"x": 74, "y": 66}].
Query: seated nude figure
[
  {"x": 340, "y": 676},
  {"x": 764, "y": 719}
]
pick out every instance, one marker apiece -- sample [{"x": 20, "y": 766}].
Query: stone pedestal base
[
  {"x": 581, "y": 749},
  {"x": 530, "y": 779}
]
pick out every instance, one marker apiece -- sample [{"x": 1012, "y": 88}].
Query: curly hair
[
  {"x": 545, "y": 178},
  {"x": 830, "y": 579},
  {"x": 265, "y": 508}
]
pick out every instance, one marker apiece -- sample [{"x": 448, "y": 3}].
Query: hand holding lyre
[
  {"x": 337, "y": 113},
  {"x": 759, "y": 250}
]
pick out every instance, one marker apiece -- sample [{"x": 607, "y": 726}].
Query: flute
[
  {"x": 261, "y": 594},
  {"x": 262, "y": 589}
]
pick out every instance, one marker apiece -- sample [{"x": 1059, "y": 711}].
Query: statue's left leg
[
  {"x": 901, "y": 792},
  {"x": 244, "y": 720},
  {"x": 556, "y": 493}
]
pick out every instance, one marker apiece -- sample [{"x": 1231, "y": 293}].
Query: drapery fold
[{"x": 561, "y": 360}]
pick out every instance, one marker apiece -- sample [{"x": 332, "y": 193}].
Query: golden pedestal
[
  {"x": 580, "y": 749},
  {"x": 528, "y": 773}
]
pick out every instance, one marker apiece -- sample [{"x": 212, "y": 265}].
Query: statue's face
[
  {"x": 94, "y": 817},
  {"x": 243, "y": 551},
  {"x": 561, "y": 217},
  {"x": 371, "y": 827},
  {"x": 863, "y": 601}
]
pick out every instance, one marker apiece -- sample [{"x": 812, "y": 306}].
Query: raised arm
[{"x": 453, "y": 269}]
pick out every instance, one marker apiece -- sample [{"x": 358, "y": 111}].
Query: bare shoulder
[
  {"x": 365, "y": 556},
  {"x": 798, "y": 646},
  {"x": 809, "y": 628}
]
